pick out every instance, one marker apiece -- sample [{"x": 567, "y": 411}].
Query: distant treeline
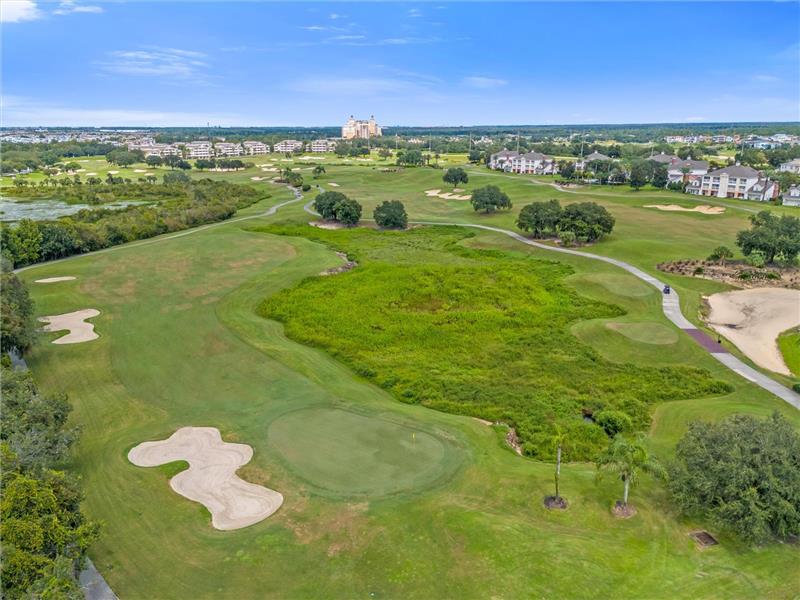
[{"x": 186, "y": 205}]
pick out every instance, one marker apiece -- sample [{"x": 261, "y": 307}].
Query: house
[
  {"x": 665, "y": 159},
  {"x": 251, "y": 148},
  {"x": 593, "y": 157},
  {"x": 761, "y": 143},
  {"x": 534, "y": 163},
  {"x": 200, "y": 149},
  {"x": 686, "y": 170},
  {"x": 501, "y": 161},
  {"x": 161, "y": 150},
  {"x": 322, "y": 146},
  {"x": 736, "y": 181},
  {"x": 288, "y": 146},
  {"x": 793, "y": 166},
  {"x": 792, "y": 196},
  {"x": 354, "y": 128}
]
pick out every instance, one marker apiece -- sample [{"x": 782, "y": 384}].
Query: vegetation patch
[
  {"x": 476, "y": 333},
  {"x": 789, "y": 344}
]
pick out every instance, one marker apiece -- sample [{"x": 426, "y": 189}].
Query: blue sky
[{"x": 153, "y": 63}]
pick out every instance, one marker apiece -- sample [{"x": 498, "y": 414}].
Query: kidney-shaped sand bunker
[{"x": 211, "y": 477}]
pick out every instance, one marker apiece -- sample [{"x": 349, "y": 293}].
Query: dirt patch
[
  {"x": 623, "y": 511},
  {"x": 553, "y": 503},
  {"x": 79, "y": 329},
  {"x": 735, "y": 273},
  {"x": 348, "y": 265},
  {"x": 753, "y": 319},
  {"x": 211, "y": 477},
  {"x": 704, "y": 209},
  {"x": 327, "y": 224},
  {"x": 512, "y": 439}
]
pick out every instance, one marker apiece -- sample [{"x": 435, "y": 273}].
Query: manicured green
[{"x": 789, "y": 343}]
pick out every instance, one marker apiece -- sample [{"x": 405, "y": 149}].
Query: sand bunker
[
  {"x": 330, "y": 183},
  {"x": 211, "y": 477},
  {"x": 448, "y": 195},
  {"x": 139, "y": 170},
  {"x": 702, "y": 208},
  {"x": 55, "y": 279},
  {"x": 269, "y": 169},
  {"x": 256, "y": 178},
  {"x": 113, "y": 172},
  {"x": 90, "y": 174},
  {"x": 753, "y": 320},
  {"x": 79, "y": 329}
]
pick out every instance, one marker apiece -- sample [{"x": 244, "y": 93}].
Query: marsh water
[{"x": 44, "y": 210}]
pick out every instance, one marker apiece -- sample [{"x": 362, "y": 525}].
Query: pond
[{"x": 45, "y": 210}]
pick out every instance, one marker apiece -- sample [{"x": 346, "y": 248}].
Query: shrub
[
  {"x": 613, "y": 422},
  {"x": 756, "y": 258},
  {"x": 306, "y": 187},
  {"x": 490, "y": 198},
  {"x": 567, "y": 238}
]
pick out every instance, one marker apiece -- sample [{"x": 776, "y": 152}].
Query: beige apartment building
[{"x": 357, "y": 129}]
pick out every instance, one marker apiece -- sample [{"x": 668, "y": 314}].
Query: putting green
[
  {"x": 350, "y": 454},
  {"x": 646, "y": 333},
  {"x": 620, "y": 284}
]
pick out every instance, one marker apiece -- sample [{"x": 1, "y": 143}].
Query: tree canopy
[
  {"x": 490, "y": 199},
  {"x": 587, "y": 221},
  {"x": 455, "y": 175},
  {"x": 775, "y": 237},
  {"x": 540, "y": 217},
  {"x": 412, "y": 158},
  {"x": 18, "y": 326},
  {"x": 743, "y": 473},
  {"x": 335, "y": 206},
  {"x": 391, "y": 214}
]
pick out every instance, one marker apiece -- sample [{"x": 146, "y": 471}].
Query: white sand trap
[
  {"x": 113, "y": 172},
  {"x": 702, "y": 208},
  {"x": 330, "y": 183},
  {"x": 256, "y": 178},
  {"x": 447, "y": 195},
  {"x": 80, "y": 170},
  {"x": 79, "y": 329},
  {"x": 753, "y": 320},
  {"x": 139, "y": 170},
  {"x": 90, "y": 174},
  {"x": 286, "y": 160},
  {"x": 211, "y": 477},
  {"x": 55, "y": 279},
  {"x": 269, "y": 169}
]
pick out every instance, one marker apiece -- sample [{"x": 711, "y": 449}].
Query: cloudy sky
[{"x": 155, "y": 63}]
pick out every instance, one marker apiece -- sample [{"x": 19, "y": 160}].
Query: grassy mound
[
  {"x": 473, "y": 332},
  {"x": 646, "y": 333}
]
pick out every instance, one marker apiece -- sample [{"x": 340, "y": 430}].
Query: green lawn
[
  {"x": 382, "y": 499},
  {"x": 789, "y": 343}
]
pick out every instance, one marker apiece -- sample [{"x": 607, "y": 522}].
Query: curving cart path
[{"x": 670, "y": 305}]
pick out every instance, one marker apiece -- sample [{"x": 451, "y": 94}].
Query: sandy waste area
[
  {"x": 55, "y": 279},
  {"x": 211, "y": 477},
  {"x": 753, "y": 319},
  {"x": 448, "y": 195},
  {"x": 79, "y": 329},
  {"x": 702, "y": 208}
]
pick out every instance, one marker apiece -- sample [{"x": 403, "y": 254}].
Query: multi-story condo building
[
  {"x": 534, "y": 163},
  {"x": 361, "y": 129},
  {"x": 322, "y": 146},
  {"x": 736, "y": 181},
  {"x": 161, "y": 150},
  {"x": 792, "y": 196},
  {"x": 793, "y": 166},
  {"x": 288, "y": 146},
  {"x": 501, "y": 161},
  {"x": 200, "y": 149},
  {"x": 227, "y": 149},
  {"x": 252, "y": 148}
]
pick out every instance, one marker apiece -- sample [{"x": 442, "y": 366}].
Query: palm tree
[
  {"x": 558, "y": 440},
  {"x": 627, "y": 458}
]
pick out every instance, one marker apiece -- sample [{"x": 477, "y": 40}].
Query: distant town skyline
[{"x": 86, "y": 63}]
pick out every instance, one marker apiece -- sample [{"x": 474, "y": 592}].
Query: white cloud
[
  {"x": 414, "y": 12},
  {"x": 483, "y": 83},
  {"x": 16, "y": 11},
  {"x": 765, "y": 78},
  {"x": 157, "y": 62},
  {"x": 67, "y": 7},
  {"x": 346, "y": 38},
  {"x": 335, "y": 16},
  {"x": 22, "y": 112}
]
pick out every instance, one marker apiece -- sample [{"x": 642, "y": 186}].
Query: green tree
[
  {"x": 18, "y": 330},
  {"x": 566, "y": 168},
  {"x": 587, "y": 220},
  {"x": 474, "y": 156},
  {"x": 347, "y": 211},
  {"x": 771, "y": 235},
  {"x": 627, "y": 458},
  {"x": 660, "y": 176},
  {"x": 743, "y": 473},
  {"x": 178, "y": 177},
  {"x": 154, "y": 161},
  {"x": 490, "y": 199},
  {"x": 325, "y": 202},
  {"x": 411, "y": 158},
  {"x": 454, "y": 176},
  {"x": 640, "y": 174},
  {"x": 318, "y": 171},
  {"x": 391, "y": 214},
  {"x": 721, "y": 254},
  {"x": 540, "y": 217}
]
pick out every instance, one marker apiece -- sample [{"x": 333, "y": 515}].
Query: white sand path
[
  {"x": 211, "y": 477},
  {"x": 55, "y": 279},
  {"x": 702, "y": 208},
  {"x": 753, "y": 319},
  {"x": 79, "y": 329}
]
